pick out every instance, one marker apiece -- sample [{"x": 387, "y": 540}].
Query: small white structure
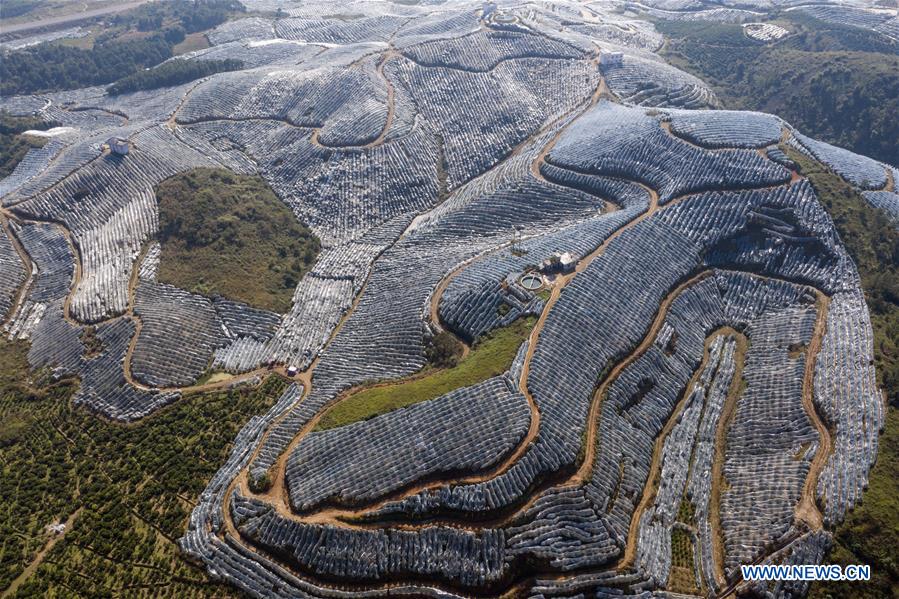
[
  {"x": 559, "y": 262},
  {"x": 611, "y": 59},
  {"x": 292, "y": 371},
  {"x": 118, "y": 145}
]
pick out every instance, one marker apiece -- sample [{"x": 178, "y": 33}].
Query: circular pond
[{"x": 531, "y": 281}]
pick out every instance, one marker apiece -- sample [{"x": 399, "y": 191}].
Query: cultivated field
[{"x": 557, "y": 326}]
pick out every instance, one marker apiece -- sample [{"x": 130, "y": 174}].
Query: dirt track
[
  {"x": 808, "y": 510},
  {"x": 277, "y": 495},
  {"x": 278, "y": 492},
  {"x": 344, "y": 517},
  {"x": 26, "y": 264},
  {"x": 727, "y": 414},
  {"x": 652, "y": 479},
  {"x": 39, "y": 558}
]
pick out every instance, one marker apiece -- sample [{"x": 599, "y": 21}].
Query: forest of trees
[
  {"x": 198, "y": 15},
  {"x": 53, "y": 66},
  {"x": 132, "y": 484},
  {"x": 173, "y": 72},
  {"x": 836, "y": 83},
  {"x": 50, "y": 67},
  {"x": 15, "y": 8}
]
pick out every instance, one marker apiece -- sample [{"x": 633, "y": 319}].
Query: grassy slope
[
  {"x": 873, "y": 242},
  {"x": 870, "y": 534},
  {"x": 132, "y": 482},
  {"x": 490, "y": 357},
  {"x": 192, "y": 42},
  {"x": 837, "y": 84},
  {"x": 230, "y": 235}
]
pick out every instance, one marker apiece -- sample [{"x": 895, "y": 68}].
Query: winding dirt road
[
  {"x": 277, "y": 495},
  {"x": 718, "y": 454},
  {"x": 808, "y": 510},
  {"x": 652, "y": 479},
  {"x": 26, "y": 264},
  {"x": 278, "y": 492}
]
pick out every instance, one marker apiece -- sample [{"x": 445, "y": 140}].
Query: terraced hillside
[
  {"x": 835, "y": 81},
  {"x": 570, "y": 331}
]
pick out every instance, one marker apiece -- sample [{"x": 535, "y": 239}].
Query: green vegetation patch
[
  {"x": 14, "y": 145},
  {"x": 10, "y": 9},
  {"x": 444, "y": 350},
  {"x": 133, "y": 484},
  {"x": 127, "y": 43},
  {"x": 51, "y": 67},
  {"x": 870, "y": 533},
  {"x": 173, "y": 72},
  {"x": 191, "y": 17},
  {"x": 490, "y": 357},
  {"x": 191, "y": 43},
  {"x": 835, "y": 83},
  {"x": 681, "y": 548},
  {"x": 873, "y": 242},
  {"x": 230, "y": 235},
  {"x": 681, "y": 578},
  {"x": 686, "y": 513}
]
